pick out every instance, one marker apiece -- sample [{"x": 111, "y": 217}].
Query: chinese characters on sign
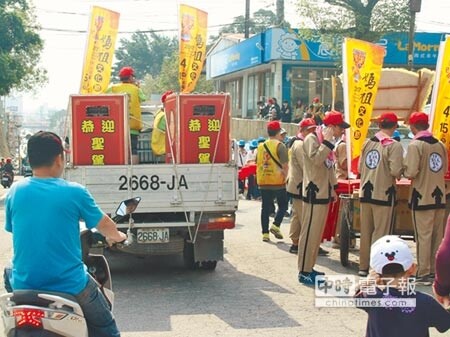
[
  {"x": 97, "y": 142},
  {"x": 362, "y": 71},
  {"x": 193, "y": 23},
  {"x": 205, "y": 142},
  {"x": 103, "y": 26}
]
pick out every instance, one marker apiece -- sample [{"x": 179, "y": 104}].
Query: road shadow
[{"x": 149, "y": 291}]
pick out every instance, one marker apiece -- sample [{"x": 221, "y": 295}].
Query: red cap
[
  {"x": 274, "y": 126},
  {"x": 316, "y": 99},
  {"x": 307, "y": 123},
  {"x": 418, "y": 118},
  {"x": 335, "y": 118},
  {"x": 126, "y": 72},
  {"x": 164, "y": 96},
  {"x": 388, "y": 116}
]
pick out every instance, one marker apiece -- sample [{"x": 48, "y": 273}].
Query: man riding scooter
[
  {"x": 43, "y": 214},
  {"x": 7, "y": 173}
]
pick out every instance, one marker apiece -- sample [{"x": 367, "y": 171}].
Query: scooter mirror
[{"x": 128, "y": 206}]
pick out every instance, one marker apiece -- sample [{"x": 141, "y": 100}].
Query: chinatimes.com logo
[
  {"x": 387, "y": 303},
  {"x": 341, "y": 291}
]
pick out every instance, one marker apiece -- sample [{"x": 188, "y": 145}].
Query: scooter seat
[{"x": 30, "y": 297}]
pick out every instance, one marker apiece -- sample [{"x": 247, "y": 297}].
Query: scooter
[
  {"x": 34, "y": 313},
  {"x": 6, "y": 180}
]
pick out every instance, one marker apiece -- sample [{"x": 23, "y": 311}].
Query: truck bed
[{"x": 162, "y": 187}]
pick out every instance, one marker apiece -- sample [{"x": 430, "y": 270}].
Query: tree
[
  {"x": 144, "y": 52},
  {"x": 361, "y": 19},
  {"x": 262, "y": 20},
  {"x": 168, "y": 79},
  {"x": 20, "y": 47}
]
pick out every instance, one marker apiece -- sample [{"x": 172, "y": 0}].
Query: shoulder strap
[{"x": 271, "y": 156}]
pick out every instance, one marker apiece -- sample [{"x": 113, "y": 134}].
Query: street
[{"x": 253, "y": 292}]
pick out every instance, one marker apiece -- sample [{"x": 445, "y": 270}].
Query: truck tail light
[
  {"x": 29, "y": 317},
  {"x": 217, "y": 222}
]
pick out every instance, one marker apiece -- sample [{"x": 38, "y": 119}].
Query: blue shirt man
[{"x": 43, "y": 213}]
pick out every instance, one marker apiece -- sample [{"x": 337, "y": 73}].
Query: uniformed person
[
  {"x": 295, "y": 178},
  {"x": 381, "y": 162},
  {"x": 426, "y": 164},
  {"x": 340, "y": 152},
  {"x": 271, "y": 174},
  {"x": 319, "y": 182}
]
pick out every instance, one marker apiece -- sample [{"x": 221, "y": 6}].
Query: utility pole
[
  {"x": 247, "y": 19},
  {"x": 280, "y": 12},
  {"x": 414, "y": 7}
]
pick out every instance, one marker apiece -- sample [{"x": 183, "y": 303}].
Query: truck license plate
[{"x": 153, "y": 235}]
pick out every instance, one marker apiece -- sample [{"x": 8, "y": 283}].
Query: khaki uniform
[
  {"x": 341, "y": 159},
  {"x": 341, "y": 173},
  {"x": 319, "y": 181},
  {"x": 379, "y": 166},
  {"x": 426, "y": 164},
  {"x": 294, "y": 187}
]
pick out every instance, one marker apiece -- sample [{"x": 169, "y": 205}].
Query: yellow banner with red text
[
  {"x": 193, "y": 25},
  {"x": 362, "y": 63},
  {"x": 99, "y": 53},
  {"x": 440, "y": 101}
]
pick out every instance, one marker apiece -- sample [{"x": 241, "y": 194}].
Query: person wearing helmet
[
  {"x": 9, "y": 168},
  {"x": 129, "y": 85}
]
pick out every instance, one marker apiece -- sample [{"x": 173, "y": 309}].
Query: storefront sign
[{"x": 246, "y": 54}]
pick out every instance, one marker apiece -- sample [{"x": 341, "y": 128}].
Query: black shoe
[
  {"x": 424, "y": 280},
  {"x": 293, "y": 249},
  {"x": 323, "y": 252}
]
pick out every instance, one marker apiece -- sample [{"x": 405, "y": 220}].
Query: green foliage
[
  {"x": 168, "y": 79},
  {"x": 330, "y": 21},
  {"x": 145, "y": 52},
  {"x": 20, "y": 47},
  {"x": 262, "y": 19},
  {"x": 361, "y": 19}
]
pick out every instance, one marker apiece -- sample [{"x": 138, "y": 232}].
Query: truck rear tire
[
  {"x": 209, "y": 265},
  {"x": 188, "y": 256}
]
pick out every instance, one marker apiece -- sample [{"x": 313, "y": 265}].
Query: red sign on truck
[
  {"x": 198, "y": 128},
  {"x": 99, "y": 129}
]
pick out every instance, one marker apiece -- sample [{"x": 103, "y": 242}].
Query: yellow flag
[
  {"x": 193, "y": 24},
  {"x": 440, "y": 101},
  {"x": 362, "y": 63},
  {"x": 102, "y": 34}
]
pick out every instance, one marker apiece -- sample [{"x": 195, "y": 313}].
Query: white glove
[{"x": 328, "y": 134}]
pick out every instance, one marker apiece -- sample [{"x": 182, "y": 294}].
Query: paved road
[{"x": 254, "y": 292}]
